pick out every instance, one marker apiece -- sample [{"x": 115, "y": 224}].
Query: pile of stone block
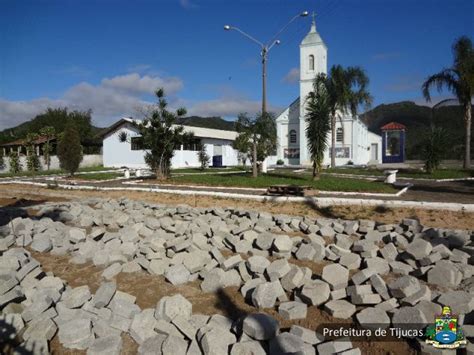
[{"x": 375, "y": 274}]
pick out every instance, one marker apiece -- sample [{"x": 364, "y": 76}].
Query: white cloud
[
  {"x": 292, "y": 77},
  {"x": 133, "y": 82},
  {"x": 127, "y": 95},
  {"x": 110, "y": 99}
]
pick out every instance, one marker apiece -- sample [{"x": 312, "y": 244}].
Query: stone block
[
  {"x": 340, "y": 309},
  {"x": 260, "y": 326},
  {"x": 170, "y": 307},
  {"x": 336, "y": 276},
  {"x": 315, "y": 293},
  {"x": 293, "y": 310},
  {"x": 177, "y": 274}
]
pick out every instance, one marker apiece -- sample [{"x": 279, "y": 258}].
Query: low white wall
[{"x": 87, "y": 161}]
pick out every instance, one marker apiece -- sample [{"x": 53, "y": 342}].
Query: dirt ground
[
  {"x": 229, "y": 302},
  {"x": 431, "y": 218},
  {"x": 149, "y": 289}
]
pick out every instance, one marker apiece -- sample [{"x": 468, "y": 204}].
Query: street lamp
[{"x": 265, "y": 48}]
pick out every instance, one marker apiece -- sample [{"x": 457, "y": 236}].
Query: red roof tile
[{"x": 393, "y": 126}]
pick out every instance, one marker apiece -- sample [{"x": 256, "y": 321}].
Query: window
[
  {"x": 292, "y": 136},
  {"x": 311, "y": 62},
  {"x": 194, "y": 145},
  {"x": 137, "y": 143},
  {"x": 339, "y": 135}
]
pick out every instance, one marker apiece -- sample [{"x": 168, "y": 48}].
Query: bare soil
[{"x": 149, "y": 289}]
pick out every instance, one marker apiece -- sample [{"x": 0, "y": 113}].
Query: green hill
[
  {"x": 208, "y": 122},
  {"x": 417, "y": 120}
]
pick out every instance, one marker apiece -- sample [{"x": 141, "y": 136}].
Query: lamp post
[{"x": 265, "y": 48}]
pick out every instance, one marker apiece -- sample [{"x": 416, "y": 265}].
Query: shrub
[
  {"x": 15, "y": 164},
  {"x": 32, "y": 159},
  {"x": 203, "y": 157},
  {"x": 433, "y": 148},
  {"x": 2, "y": 160},
  {"x": 70, "y": 149},
  {"x": 280, "y": 162}
]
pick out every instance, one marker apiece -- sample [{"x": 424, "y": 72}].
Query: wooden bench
[{"x": 282, "y": 190}]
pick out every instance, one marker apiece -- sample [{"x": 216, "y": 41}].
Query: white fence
[{"x": 87, "y": 161}]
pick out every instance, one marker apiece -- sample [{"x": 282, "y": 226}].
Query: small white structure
[
  {"x": 218, "y": 145},
  {"x": 354, "y": 142}
]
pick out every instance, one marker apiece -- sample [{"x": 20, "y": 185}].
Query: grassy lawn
[
  {"x": 414, "y": 174},
  {"x": 98, "y": 176},
  {"x": 326, "y": 183},
  {"x": 53, "y": 172},
  {"x": 208, "y": 170}
]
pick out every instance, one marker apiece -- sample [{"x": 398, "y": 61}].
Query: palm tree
[
  {"x": 459, "y": 79},
  {"x": 318, "y": 117},
  {"x": 347, "y": 89}
]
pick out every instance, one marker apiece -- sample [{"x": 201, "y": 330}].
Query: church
[{"x": 354, "y": 142}]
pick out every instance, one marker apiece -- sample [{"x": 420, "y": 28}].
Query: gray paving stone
[
  {"x": 409, "y": 318},
  {"x": 305, "y": 252},
  {"x": 110, "y": 345},
  {"x": 292, "y": 279},
  {"x": 76, "y": 334},
  {"x": 293, "y": 310},
  {"x": 278, "y": 269},
  {"x": 152, "y": 346},
  {"x": 170, "y": 307},
  {"x": 429, "y": 309},
  {"x": 104, "y": 294},
  {"x": 307, "y": 335},
  {"x": 315, "y": 293},
  {"x": 461, "y": 302},
  {"x": 217, "y": 341},
  {"x": 112, "y": 271},
  {"x": 444, "y": 274},
  {"x": 340, "y": 309},
  {"x": 260, "y": 326},
  {"x": 247, "y": 348},
  {"x": 404, "y": 286},
  {"x": 351, "y": 261},
  {"x": 389, "y": 252},
  {"x": 42, "y": 329},
  {"x": 77, "y": 235},
  {"x": 424, "y": 293},
  {"x": 366, "y": 299},
  {"x": 76, "y": 297},
  {"x": 282, "y": 243},
  {"x": 232, "y": 262},
  {"x": 36, "y": 308},
  {"x": 185, "y": 326},
  {"x": 336, "y": 276},
  {"x": 373, "y": 318},
  {"x": 264, "y": 241},
  {"x": 335, "y": 346},
  {"x": 287, "y": 343},
  {"x": 177, "y": 274},
  {"x": 174, "y": 345},
  {"x": 379, "y": 286},
  {"x": 257, "y": 264},
  {"x": 265, "y": 294}
]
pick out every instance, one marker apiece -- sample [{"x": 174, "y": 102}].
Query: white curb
[{"x": 317, "y": 201}]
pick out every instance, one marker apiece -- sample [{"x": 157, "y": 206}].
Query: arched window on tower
[
  {"x": 292, "y": 136},
  {"x": 311, "y": 62}
]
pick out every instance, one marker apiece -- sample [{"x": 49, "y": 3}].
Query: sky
[{"x": 110, "y": 55}]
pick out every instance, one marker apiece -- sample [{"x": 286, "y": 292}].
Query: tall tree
[
  {"x": 70, "y": 149},
  {"x": 2, "y": 160},
  {"x": 347, "y": 90},
  {"x": 258, "y": 135},
  {"x": 47, "y": 132},
  {"x": 318, "y": 118},
  {"x": 32, "y": 160},
  {"x": 459, "y": 79},
  {"x": 160, "y": 134}
]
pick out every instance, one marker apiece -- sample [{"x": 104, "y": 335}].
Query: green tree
[
  {"x": 459, "y": 79},
  {"x": 70, "y": 149},
  {"x": 243, "y": 146},
  {"x": 318, "y": 118},
  {"x": 49, "y": 133},
  {"x": 434, "y": 148},
  {"x": 2, "y": 160},
  {"x": 347, "y": 90},
  {"x": 203, "y": 157},
  {"x": 15, "y": 164},
  {"x": 160, "y": 134},
  {"x": 258, "y": 135},
  {"x": 32, "y": 159}
]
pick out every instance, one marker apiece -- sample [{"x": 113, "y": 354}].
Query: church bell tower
[{"x": 313, "y": 60}]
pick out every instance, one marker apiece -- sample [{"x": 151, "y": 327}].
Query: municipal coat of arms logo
[{"x": 445, "y": 334}]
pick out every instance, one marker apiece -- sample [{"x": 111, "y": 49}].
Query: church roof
[{"x": 312, "y": 37}]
